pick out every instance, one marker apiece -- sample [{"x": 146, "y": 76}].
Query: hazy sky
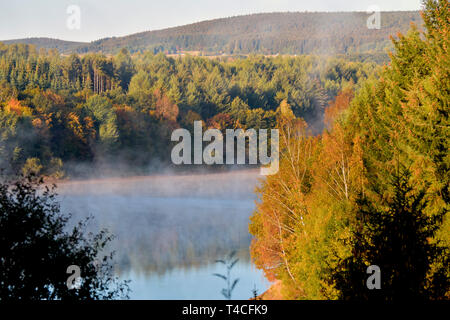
[{"x": 105, "y": 18}]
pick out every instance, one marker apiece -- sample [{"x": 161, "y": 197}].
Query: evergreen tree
[{"x": 395, "y": 236}]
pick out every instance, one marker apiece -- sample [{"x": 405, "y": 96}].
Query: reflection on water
[
  {"x": 170, "y": 229},
  {"x": 196, "y": 283}
]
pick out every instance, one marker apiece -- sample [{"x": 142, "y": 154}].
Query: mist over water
[{"x": 170, "y": 229}]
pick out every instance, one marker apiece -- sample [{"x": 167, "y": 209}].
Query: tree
[
  {"x": 396, "y": 238},
  {"x": 36, "y": 250},
  {"x": 140, "y": 87},
  {"x": 32, "y": 166},
  {"x": 124, "y": 68},
  {"x": 106, "y": 121},
  {"x": 304, "y": 208},
  {"x": 403, "y": 116},
  {"x": 165, "y": 108},
  {"x": 279, "y": 218}
]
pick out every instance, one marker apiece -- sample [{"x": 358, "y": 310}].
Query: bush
[
  {"x": 36, "y": 250},
  {"x": 32, "y": 166}
]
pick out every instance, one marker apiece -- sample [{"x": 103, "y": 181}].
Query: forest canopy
[{"x": 57, "y": 111}]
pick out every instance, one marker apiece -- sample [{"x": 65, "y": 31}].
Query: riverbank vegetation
[{"x": 372, "y": 189}]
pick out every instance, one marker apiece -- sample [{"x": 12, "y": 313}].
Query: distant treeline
[
  {"x": 267, "y": 33},
  {"x": 57, "y": 110}
]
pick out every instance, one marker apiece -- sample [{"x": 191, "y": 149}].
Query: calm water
[{"x": 170, "y": 230}]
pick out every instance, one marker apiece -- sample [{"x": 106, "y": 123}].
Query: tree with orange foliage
[
  {"x": 301, "y": 217},
  {"x": 281, "y": 208},
  {"x": 16, "y": 106},
  {"x": 165, "y": 108}
]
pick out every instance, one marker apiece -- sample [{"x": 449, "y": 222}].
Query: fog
[{"x": 167, "y": 223}]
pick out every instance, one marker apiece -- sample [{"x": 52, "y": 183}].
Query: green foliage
[
  {"x": 333, "y": 208},
  {"x": 94, "y": 108},
  {"x": 124, "y": 67},
  {"x": 32, "y": 166},
  {"x": 403, "y": 117},
  {"x": 395, "y": 236}
]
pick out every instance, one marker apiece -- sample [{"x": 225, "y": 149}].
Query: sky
[{"x": 106, "y": 18}]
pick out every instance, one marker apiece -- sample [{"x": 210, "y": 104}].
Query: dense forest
[
  {"x": 59, "y": 111},
  {"x": 372, "y": 189},
  {"x": 267, "y": 33}
]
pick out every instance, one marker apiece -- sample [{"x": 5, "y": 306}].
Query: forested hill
[
  {"x": 265, "y": 33},
  {"x": 48, "y": 43}
]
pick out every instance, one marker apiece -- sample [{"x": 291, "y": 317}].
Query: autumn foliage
[{"x": 373, "y": 188}]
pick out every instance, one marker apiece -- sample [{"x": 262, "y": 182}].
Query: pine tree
[{"x": 395, "y": 236}]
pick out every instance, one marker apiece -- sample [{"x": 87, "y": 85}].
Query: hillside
[
  {"x": 266, "y": 33},
  {"x": 48, "y": 43}
]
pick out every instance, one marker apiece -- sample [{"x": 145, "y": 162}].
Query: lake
[{"x": 170, "y": 229}]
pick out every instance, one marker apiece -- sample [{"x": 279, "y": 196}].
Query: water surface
[{"x": 170, "y": 229}]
